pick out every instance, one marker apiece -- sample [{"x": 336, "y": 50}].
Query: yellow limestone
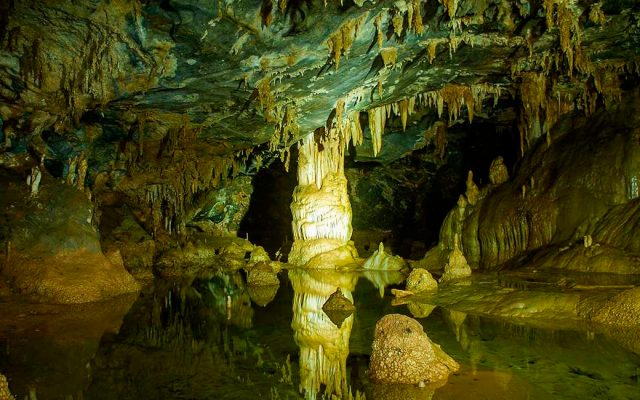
[{"x": 321, "y": 209}]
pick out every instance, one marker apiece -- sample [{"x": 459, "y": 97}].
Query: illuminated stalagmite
[
  {"x": 320, "y": 207},
  {"x": 323, "y": 346}
]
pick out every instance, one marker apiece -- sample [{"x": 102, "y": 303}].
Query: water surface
[{"x": 215, "y": 338}]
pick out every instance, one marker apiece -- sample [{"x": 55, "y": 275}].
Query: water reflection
[
  {"x": 217, "y": 337},
  {"x": 324, "y": 347}
]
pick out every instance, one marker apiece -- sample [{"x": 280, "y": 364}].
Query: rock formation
[
  {"x": 383, "y": 261},
  {"x": 5, "y": 394},
  {"x": 570, "y": 198},
  {"x": 53, "y": 251},
  {"x": 420, "y": 280},
  {"x": 403, "y": 353},
  {"x": 321, "y": 209}
]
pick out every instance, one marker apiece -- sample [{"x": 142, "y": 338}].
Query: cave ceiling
[{"x": 245, "y": 75}]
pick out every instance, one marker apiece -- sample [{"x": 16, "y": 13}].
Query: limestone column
[{"x": 321, "y": 209}]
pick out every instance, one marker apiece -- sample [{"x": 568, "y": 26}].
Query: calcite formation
[
  {"x": 572, "y": 197},
  {"x": 383, "y": 261},
  {"x": 403, "y": 353},
  {"x": 160, "y": 114},
  {"x": 457, "y": 266},
  {"x": 54, "y": 254},
  {"x": 5, "y": 394},
  {"x": 321, "y": 209},
  {"x": 420, "y": 280}
]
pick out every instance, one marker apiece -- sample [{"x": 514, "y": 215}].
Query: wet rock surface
[
  {"x": 52, "y": 250},
  {"x": 403, "y": 353},
  {"x": 5, "y": 394}
]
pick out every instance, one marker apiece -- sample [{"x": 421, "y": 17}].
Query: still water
[{"x": 214, "y": 338}]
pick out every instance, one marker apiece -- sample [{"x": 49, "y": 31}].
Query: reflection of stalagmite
[
  {"x": 457, "y": 321},
  {"x": 323, "y": 346},
  {"x": 320, "y": 207}
]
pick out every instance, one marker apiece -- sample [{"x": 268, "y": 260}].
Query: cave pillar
[{"x": 320, "y": 207}]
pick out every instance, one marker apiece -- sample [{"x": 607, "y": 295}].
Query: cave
[{"x": 363, "y": 199}]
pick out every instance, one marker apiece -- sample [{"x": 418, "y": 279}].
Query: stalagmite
[
  {"x": 71, "y": 171},
  {"x": 457, "y": 266},
  {"x": 498, "y": 173},
  {"x": 473, "y": 192},
  {"x": 320, "y": 207},
  {"x": 82, "y": 172},
  {"x": 383, "y": 261}
]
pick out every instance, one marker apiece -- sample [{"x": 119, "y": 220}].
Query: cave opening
[{"x": 267, "y": 221}]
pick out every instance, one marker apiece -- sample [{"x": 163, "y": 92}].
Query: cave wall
[{"x": 577, "y": 192}]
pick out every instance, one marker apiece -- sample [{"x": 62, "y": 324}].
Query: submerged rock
[
  {"x": 622, "y": 310},
  {"x": 403, "y": 353}
]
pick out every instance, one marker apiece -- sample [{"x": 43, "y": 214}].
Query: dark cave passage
[{"x": 267, "y": 222}]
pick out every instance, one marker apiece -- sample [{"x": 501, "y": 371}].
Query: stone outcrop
[
  {"x": 556, "y": 198},
  {"x": 52, "y": 251},
  {"x": 403, "y": 353}
]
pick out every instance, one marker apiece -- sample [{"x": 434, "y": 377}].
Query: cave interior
[{"x": 221, "y": 198}]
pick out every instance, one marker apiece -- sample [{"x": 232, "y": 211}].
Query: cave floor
[{"x": 514, "y": 335}]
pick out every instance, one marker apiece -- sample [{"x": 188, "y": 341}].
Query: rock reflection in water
[
  {"x": 324, "y": 347},
  {"x": 45, "y": 349}
]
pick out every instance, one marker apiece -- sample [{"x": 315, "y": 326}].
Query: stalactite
[
  {"x": 417, "y": 17},
  {"x": 596, "y": 15},
  {"x": 380, "y": 33},
  {"x": 453, "y": 96},
  {"x": 340, "y": 42},
  {"x": 267, "y": 99},
  {"x": 377, "y": 120},
  {"x": 564, "y": 15},
  {"x": 389, "y": 56},
  {"x": 533, "y": 94},
  {"x": 451, "y": 6}
]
